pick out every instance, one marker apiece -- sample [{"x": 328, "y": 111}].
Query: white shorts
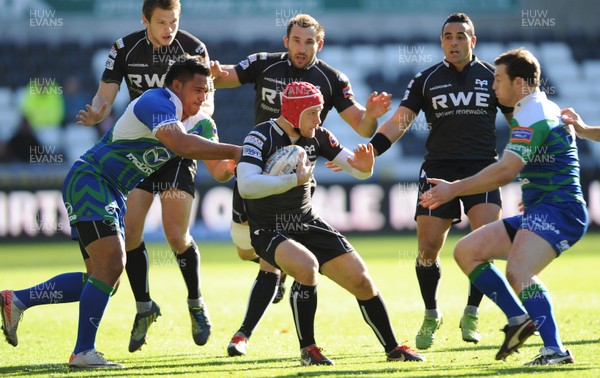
[{"x": 240, "y": 234}]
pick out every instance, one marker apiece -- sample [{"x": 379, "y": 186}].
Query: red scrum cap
[{"x": 297, "y": 97}]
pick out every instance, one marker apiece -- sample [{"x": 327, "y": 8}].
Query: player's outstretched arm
[
  {"x": 101, "y": 105},
  {"x": 191, "y": 146},
  {"x": 364, "y": 120},
  {"x": 359, "y": 163},
  {"x": 570, "y": 117},
  {"x": 221, "y": 170},
  {"x": 224, "y": 76},
  {"x": 393, "y": 129},
  {"x": 491, "y": 177}
]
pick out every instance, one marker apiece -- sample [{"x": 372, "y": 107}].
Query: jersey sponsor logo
[
  {"x": 521, "y": 135},
  {"x": 348, "y": 91},
  {"x": 199, "y": 50},
  {"x": 251, "y": 151},
  {"x": 269, "y": 95},
  {"x": 147, "y": 170},
  {"x": 252, "y": 139},
  {"x": 258, "y": 134},
  {"x": 113, "y": 52},
  {"x": 262, "y": 56},
  {"x": 110, "y": 64},
  {"x": 156, "y": 156},
  {"x": 406, "y": 93},
  {"x": 481, "y": 83},
  {"x": 152, "y": 81},
  {"x": 442, "y": 86},
  {"x": 245, "y": 64},
  {"x": 252, "y": 58},
  {"x": 120, "y": 43},
  {"x": 111, "y": 208},
  {"x": 144, "y": 65},
  {"x": 410, "y": 83},
  {"x": 461, "y": 98}
]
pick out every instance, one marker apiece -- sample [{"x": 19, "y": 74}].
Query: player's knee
[
  {"x": 306, "y": 272},
  {"x": 364, "y": 287},
  {"x": 460, "y": 252},
  {"x": 246, "y": 254},
  {"x": 517, "y": 276},
  {"x": 428, "y": 252},
  {"x": 178, "y": 238}
]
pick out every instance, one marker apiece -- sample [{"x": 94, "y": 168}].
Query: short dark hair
[
  {"x": 150, "y": 5},
  {"x": 461, "y": 18},
  {"x": 306, "y": 21},
  {"x": 521, "y": 63},
  {"x": 184, "y": 69}
]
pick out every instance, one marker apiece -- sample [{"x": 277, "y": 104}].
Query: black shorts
[
  {"x": 324, "y": 241},
  {"x": 238, "y": 208},
  {"x": 177, "y": 173},
  {"x": 451, "y": 170}
]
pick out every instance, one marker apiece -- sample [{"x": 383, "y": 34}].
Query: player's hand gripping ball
[{"x": 284, "y": 160}]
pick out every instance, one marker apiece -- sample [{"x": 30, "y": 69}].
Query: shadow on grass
[{"x": 187, "y": 363}]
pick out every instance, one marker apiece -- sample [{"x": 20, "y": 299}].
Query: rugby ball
[{"x": 283, "y": 161}]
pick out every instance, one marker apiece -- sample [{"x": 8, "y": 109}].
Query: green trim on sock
[
  {"x": 106, "y": 288},
  {"x": 479, "y": 269},
  {"x": 84, "y": 278},
  {"x": 531, "y": 291}
]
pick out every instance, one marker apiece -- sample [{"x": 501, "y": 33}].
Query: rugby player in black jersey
[
  {"x": 460, "y": 108},
  {"x": 142, "y": 58},
  {"x": 270, "y": 73},
  {"x": 288, "y": 234}
]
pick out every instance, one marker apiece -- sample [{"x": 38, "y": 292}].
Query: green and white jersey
[
  {"x": 548, "y": 149},
  {"x": 130, "y": 152}
]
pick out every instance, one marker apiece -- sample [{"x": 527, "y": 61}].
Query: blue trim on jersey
[{"x": 154, "y": 108}]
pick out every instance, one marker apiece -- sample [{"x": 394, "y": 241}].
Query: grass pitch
[{"x": 47, "y": 333}]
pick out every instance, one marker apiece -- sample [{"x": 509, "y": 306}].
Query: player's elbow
[
  {"x": 506, "y": 176},
  {"x": 245, "y": 190}
]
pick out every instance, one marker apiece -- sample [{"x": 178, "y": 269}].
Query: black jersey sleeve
[
  {"x": 249, "y": 69},
  {"x": 192, "y": 45},
  {"x": 342, "y": 96},
  {"x": 115, "y": 67},
  {"x": 414, "y": 95},
  {"x": 256, "y": 147},
  {"x": 329, "y": 146}
]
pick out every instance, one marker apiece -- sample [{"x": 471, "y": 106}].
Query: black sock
[
  {"x": 262, "y": 293},
  {"x": 429, "y": 278},
  {"x": 189, "y": 264},
  {"x": 475, "y": 296},
  {"x": 375, "y": 314},
  {"x": 304, "y": 307},
  {"x": 137, "y": 272}
]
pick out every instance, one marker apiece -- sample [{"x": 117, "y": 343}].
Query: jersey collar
[
  {"x": 148, "y": 42},
  {"x": 473, "y": 62},
  {"x": 537, "y": 96},
  {"x": 177, "y": 102}
]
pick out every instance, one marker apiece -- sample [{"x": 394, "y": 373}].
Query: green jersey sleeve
[{"x": 525, "y": 141}]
